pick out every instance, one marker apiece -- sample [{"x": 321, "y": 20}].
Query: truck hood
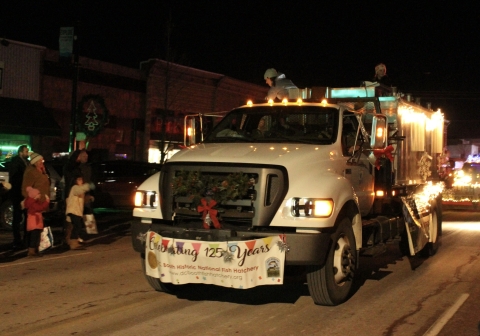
[{"x": 257, "y": 153}]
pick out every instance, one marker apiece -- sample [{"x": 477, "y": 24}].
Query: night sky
[{"x": 430, "y": 50}]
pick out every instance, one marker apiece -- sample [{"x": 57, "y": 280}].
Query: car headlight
[
  {"x": 146, "y": 199},
  {"x": 311, "y": 207}
]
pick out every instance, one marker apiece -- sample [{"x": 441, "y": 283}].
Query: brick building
[{"x": 119, "y": 109}]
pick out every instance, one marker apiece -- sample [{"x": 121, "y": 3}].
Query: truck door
[{"x": 359, "y": 171}]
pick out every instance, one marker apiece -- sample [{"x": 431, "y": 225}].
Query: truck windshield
[{"x": 279, "y": 124}]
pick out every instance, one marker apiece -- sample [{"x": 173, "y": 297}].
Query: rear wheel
[
  {"x": 331, "y": 284},
  {"x": 159, "y": 286}
]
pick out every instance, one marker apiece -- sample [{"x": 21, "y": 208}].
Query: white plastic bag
[
  {"x": 90, "y": 224},
  {"x": 46, "y": 239}
]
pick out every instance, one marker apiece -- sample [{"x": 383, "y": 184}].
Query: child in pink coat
[{"x": 34, "y": 207}]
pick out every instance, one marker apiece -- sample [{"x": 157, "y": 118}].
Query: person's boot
[
  {"x": 33, "y": 252},
  {"x": 75, "y": 245},
  {"x": 68, "y": 232}
]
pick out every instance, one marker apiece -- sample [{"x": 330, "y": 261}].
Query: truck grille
[{"x": 256, "y": 208}]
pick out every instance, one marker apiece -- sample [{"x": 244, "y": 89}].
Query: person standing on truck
[
  {"x": 279, "y": 84},
  {"x": 381, "y": 76},
  {"x": 17, "y": 168}
]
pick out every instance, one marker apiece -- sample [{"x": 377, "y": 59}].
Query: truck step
[
  {"x": 374, "y": 251},
  {"x": 394, "y": 240}
]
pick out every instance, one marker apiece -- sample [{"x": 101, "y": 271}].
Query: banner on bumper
[{"x": 235, "y": 264}]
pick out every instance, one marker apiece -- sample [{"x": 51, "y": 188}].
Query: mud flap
[{"x": 417, "y": 226}]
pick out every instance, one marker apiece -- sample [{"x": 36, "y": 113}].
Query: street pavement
[
  {"x": 113, "y": 223},
  {"x": 110, "y": 222}
]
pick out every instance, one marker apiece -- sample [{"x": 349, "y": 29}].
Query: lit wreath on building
[{"x": 92, "y": 115}]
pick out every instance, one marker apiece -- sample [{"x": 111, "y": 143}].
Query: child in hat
[{"x": 35, "y": 207}]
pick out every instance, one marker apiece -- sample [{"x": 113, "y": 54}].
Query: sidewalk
[{"x": 107, "y": 222}]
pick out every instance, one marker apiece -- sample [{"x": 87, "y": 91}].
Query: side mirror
[
  {"x": 378, "y": 139},
  {"x": 189, "y": 131}
]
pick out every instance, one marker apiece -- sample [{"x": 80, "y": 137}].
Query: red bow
[
  {"x": 206, "y": 208},
  {"x": 381, "y": 153}
]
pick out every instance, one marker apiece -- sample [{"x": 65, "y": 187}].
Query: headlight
[
  {"x": 312, "y": 207},
  {"x": 146, "y": 199}
]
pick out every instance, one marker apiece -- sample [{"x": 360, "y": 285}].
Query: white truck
[{"x": 334, "y": 179}]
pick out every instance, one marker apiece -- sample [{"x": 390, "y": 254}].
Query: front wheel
[
  {"x": 156, "y": 284},
  {"x": 6, "y": 214},
  {"x": 332, "y": 283}
]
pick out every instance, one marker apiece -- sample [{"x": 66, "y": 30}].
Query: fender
[
  {"x": 325, "y": 185},
  {"x": 147, "y": 213}
]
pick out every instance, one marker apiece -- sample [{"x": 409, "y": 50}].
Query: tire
[
  {"x": 6, "y": 214},
  {"x": 431, "y": 248},
  {"x": 332, "y": 283},
  {"x": 159, "y": 286}
]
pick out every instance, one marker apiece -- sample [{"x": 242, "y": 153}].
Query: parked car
[{"x": 116, "y": 181}]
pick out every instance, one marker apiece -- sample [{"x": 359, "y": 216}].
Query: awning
[{"x": 20, "y": 116}]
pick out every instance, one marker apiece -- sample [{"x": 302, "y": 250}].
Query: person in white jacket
[
  {"x": 279, "y": 84},
  {"x": 74, "y": 209}
]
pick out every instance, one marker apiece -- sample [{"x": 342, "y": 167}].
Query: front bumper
[{"x": 303, "y": 248}]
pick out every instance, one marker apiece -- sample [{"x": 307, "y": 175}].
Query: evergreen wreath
[{"x": 196, "y": 186}]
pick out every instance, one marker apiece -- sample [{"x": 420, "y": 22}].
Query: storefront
[{"x": 24, "y": 122}]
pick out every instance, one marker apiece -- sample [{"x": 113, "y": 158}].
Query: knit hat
[
  {"x": 270, "y": 73},
  {"x": 35, "y": 157},
  {"x": 380, "y": 66},
  {"x": 32, "y": 192}
]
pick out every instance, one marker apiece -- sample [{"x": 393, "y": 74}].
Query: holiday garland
[{"x": 424, "y": 166}]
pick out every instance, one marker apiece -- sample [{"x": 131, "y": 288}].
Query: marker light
[
  {"x": 270, "y": 101},
  {"x": 323, "y": 208},
  {"x": 285, "y": 101},
  {"x": 380, "y": 193},
  {"x": 249, "y": 103},
  {"x": 380, "y": 132},
  {"x": 324, "y": 102}
]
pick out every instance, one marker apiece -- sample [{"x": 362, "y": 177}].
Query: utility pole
[{"x": 73, "y": 115}]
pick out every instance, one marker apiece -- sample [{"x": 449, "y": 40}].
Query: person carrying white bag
[{"x": 74, "y": 209}]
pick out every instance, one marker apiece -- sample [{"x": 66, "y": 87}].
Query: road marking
[
  {"x": 45, "y": 258},
  {"x": 440, "y": 323}
]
